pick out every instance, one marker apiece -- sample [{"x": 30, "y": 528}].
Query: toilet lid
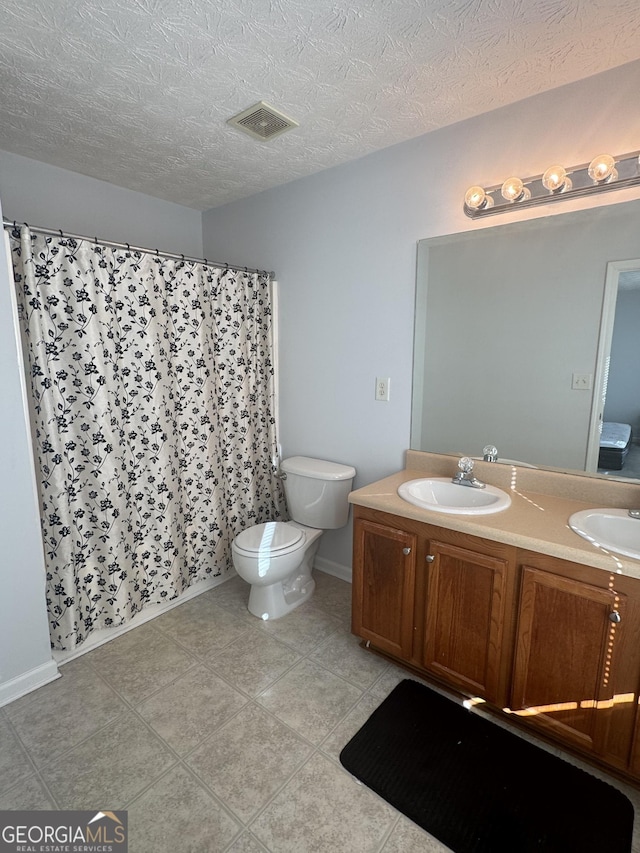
[{"x": 272, "y": 536}]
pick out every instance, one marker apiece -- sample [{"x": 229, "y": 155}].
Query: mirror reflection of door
[{"x": 619, "y": 442}]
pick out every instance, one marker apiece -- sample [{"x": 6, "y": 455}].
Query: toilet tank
[{"x": 317, "y": 491}]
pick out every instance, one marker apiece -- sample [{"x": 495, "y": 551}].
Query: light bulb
[
  {"x": 602, "y": 169},
  {"x": 476, "y": 198},
  {"x": 555, "y": 179},
  {"x": 514, "y": 190}
]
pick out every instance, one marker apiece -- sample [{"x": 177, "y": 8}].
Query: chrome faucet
[
  {"x": 634, "y": 513},
  {"x": 490, "y": 453},
  {"x": 465, "y": 477}
]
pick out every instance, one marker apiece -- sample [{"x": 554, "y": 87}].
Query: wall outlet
[
  {"x": 582, "y": 381},
  {"x": 382, "y": 389}
]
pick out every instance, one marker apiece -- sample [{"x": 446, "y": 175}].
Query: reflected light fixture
[{"x": 604, "y": 172}]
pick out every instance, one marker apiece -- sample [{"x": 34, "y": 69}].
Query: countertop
[{"x": 537, "y": 520}]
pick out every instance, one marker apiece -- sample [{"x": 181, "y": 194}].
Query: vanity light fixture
[
  {"x": 604, "y": 172},
  {"x": 514, "y": 189},
  {"x": 556, "y": 180},
  {"x": 602, "y": 169},
  {"x": 476, "y": 199}
]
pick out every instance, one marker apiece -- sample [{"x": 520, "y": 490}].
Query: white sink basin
[
  {"x": 612, "y": 529},
  {"x": 441, "y": 495}
]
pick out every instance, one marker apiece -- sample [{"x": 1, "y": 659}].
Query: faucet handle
[
  {"x": 490, "y": 453},
  {"x": 465, "y": 465}
]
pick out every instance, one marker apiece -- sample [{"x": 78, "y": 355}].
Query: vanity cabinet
[
  {"x": 553, "y": 644},
  {"x": 434, "y": 599},
  {"x": 464, "y": 603},
  {"x": 576, "y": 667},
  {"x": 383, "y": 594}
]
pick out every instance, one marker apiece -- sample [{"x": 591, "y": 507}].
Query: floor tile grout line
[
  {"x": 315, "y": 752},
  {"x": 389, "y": 832},
  {"x": 211, "y": 735},
  {"x": 254, "y": 839},
  {"x": 288, "y": 779},
  {"x": 210, "y": 664},
  {"x": 166, "y": 633},
  {"x": 194, "y": 776},
  {"x": 34, "y": 766},
  {"x": 182, "y": 761},
  {"x": 50, "y": 761},
  {"x": 105, "y": 678},
  {"x": 40, "y": 766},
  {"x": 277, "y": 792}
]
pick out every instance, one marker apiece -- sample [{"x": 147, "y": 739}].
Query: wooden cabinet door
[
  {"x": 383, "y": 585},
  {"x": 465, "y": 618},
  {"x": 567, "y": 637}
]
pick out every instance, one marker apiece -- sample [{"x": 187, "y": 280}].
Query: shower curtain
[{"x": 152, "y": 388}]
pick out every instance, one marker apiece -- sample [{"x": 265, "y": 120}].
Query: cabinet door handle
[
  {"x": 614, "y": 616},
  {"x": 406, "y": 551},
  {"x": 429, "y": 558}
]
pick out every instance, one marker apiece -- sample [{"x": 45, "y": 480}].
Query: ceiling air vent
[{"x": 262, "y": 121}]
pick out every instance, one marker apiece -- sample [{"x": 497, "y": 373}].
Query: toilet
[{"x": 276, "y": 558}]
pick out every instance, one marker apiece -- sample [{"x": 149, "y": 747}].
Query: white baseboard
[
  {"x": 28, "y": 681},
  {"x": 103, "y": 635},
  {"x": 331, "y": 568}
]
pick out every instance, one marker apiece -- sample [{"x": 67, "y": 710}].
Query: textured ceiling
[{"x": 137, "y": 92}]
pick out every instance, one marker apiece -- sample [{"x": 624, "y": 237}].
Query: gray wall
[
  {"x": 343, "y": 244},
  {"x": 25, "y": 656},
  {"x": 51, "y": 197}
]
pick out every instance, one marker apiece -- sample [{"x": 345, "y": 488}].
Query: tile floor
[{"x": 217, "y": 732}]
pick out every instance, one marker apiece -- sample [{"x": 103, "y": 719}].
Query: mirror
[{"x": 508, "y": 346}]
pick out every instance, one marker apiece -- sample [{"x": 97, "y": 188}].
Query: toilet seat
[{"x": 276, "y": 537}]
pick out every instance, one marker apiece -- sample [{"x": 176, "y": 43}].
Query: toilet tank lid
[{"x": 317, "y": 469}]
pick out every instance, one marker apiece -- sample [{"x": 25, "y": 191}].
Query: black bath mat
[{"x": 479, "y": 788}]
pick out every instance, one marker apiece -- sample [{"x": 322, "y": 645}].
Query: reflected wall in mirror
[{"x": 508, "y": 321}]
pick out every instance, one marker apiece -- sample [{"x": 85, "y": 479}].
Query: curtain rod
[{"x": 65, "y": 234}]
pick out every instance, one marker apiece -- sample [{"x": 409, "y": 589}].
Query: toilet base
[{"x": 278, "y": 599}]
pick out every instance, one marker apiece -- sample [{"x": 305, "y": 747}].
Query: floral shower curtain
[{"x": 152, "y": 389}]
